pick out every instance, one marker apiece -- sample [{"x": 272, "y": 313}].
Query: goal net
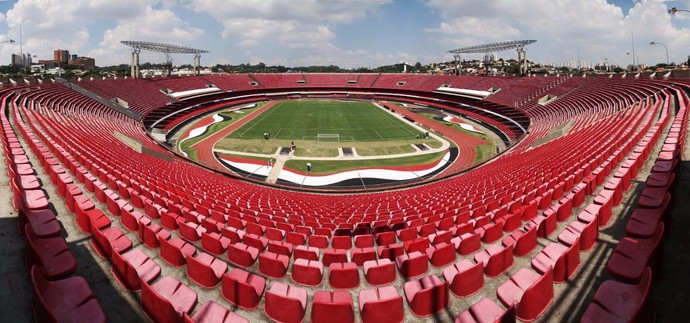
[{"x": 328, "y": 137}]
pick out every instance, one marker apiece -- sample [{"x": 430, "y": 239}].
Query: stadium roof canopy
[
  {"x": 163, "y": 48},
  {"x": 493, "y": 47}
]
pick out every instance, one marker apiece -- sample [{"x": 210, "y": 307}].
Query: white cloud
[
  {"x": 595, "y": 28},
  {"x": 51, "y": 24},
  {"x": 305, "y": 32},
  {"x": 303, "y": 24}
]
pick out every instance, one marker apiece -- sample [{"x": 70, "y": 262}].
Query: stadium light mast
[
  {"x": 458, "y": 64},
  {"x": 167, "y": 49},
  {"x": 490, "y": 49},
  {"x": 674, "y": 10},
  {"x": 665, "y": 48}
]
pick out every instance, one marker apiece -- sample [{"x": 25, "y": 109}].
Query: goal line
[{"x": 328, "y": 137}]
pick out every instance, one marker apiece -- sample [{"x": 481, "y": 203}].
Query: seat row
[
  {"x": 59, "y": 296},
  {"x": 636, "y": 259},
  {"x": 403, "y": 265}
]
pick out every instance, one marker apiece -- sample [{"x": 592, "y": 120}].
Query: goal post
[{"x": 328, "y": 137}]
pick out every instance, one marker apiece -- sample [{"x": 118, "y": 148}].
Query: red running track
[
  {"x": 204, "y": 147},
  {"x": 465, "y": 142}
]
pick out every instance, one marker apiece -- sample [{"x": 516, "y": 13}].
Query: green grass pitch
[{"x": 304, "y": 119}]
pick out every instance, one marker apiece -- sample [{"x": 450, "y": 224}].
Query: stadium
[{"x": 345, "y": 197}]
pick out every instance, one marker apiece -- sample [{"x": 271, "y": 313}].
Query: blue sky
[{"x": 349, "y": 33}]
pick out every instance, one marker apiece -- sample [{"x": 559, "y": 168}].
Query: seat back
[
  {"x": 101, "y": 243},
  {"x": 645, "y": 311},
  {"x": 537, "y": 297},
  {"x": 125, "y": 272},
  {"x": 40, "y": 283},
  {"x": 157, "y": 308}
]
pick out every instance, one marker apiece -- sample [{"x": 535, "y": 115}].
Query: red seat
[
  {"x": 130, "y": 220},
  {"x": 621, "y": 302},
  {"x": 380, "y": 305},
  {"x": 412, "y": 264},
  {"x": 280, "y": 247},
  {"x": 490, "y": 232},
  {"x": 406, "y": 234},
  {"x": 307, "y": 272},
  {"x": 584, "y": 233},
  {"x": 212, "y": 312},
  {"x": 660, "y": 180},
  {"x": 167, "y": 300},
  {"x": 205, "y": 270},
  {"x": 486, "y": 311},
  {"x": 385, "y": 238},
  {"x": 275, "y": 234},
  {"x": 150, "y": 233},
  {"x": 133, "y": 268},
  {"x": 530, "y": 210},
  {"x": 632, "y": 255},
  {"x": 467, "y": 243},
  {"x": 419, "y": 244},
  {"x": 643, "y": 222},
  {"x": 565, "y": 207},
  {"x": 615, "y": 185},
  {"x": 318, "y": 241},
  {"x": 441, "y": 254},
  {"x": 332, "y": 306},
  {"x": 545, "y": 224},
  {"x": 343, "y": 275},
  {"x": 214, "y": 243},
  {"x": 605, "y": 199},
  {"x": 169, "y": 220},
  {"x": 530, "y": 293},
  {"x": 242, "y": 255},
  {"x": 523, "y": 241},
  {"x": 51, "y": 254},
  {"x": 379, "y": 272},
  {"x": 341, "y": 242},
  {"x": 304, "y": 252},
  {"x": 440, "y": 237},
  {"x": 87, "y": 218},
  {"x": 427, "y": 296},
  {"x": 190, "y": 231},
  {"x": 243, "y": 288},
  {"x": 361, "y": 255},
  {"x": 390, "y": 251},
  {"x": 426, "y": 229},
  {"x": 286, "y": 303},
  {"x": 364, "y": 240},
  {"x": 273, "y": 265},
  {"x": 258, "y": 242},
  {"x": 296, "y": 238},
  {"x": 43, "y": 223},
  {"x": 65, "y": 300},
  {"x": 235, "y": 235},
  {"x": 109, "y": 240},
  {"x": 175, "y": 251},
  {"x": 564, "y": 260},
  {"x": 465, "y": 277},
  {"x": 496, "y": 259},
  {"x": 334, "y": 256}
]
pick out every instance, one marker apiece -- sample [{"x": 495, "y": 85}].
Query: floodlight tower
[
  {"x": 490, "y": 49},
  {"x": 167, "y": 49},
  {"x": 458, "y": 64},
  {"x": 522, "y": 59}
]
